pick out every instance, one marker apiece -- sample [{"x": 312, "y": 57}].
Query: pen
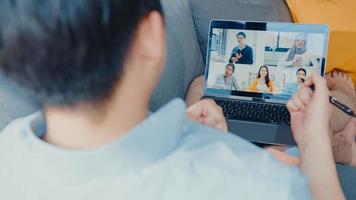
[{"x": 338, "y": 104}]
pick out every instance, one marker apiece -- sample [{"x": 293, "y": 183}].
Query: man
[
  {"x": 242, "y": 53},
  {"x": 94, "y": 140},
  {"x": 227, "y": 81},
  {"x": 291, "y": 88}
]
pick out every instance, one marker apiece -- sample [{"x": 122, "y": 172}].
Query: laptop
[{"x": 254, "y": 68}]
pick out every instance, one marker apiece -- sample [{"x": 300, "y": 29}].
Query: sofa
[{"x": 186, "y": 33}]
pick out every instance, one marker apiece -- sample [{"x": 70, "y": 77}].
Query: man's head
[
  {"x": 241, "y": 36},
  {"x": 69, "y": 52},
  {"x": 229, "y": 70},
  {"x": 301, "y": 75}
]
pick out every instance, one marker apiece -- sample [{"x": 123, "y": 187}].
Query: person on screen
[
  {"x": 227, "y": 81},
  {"x": 291, "y": 88},
  {"x": 242, "y": 53},
  {"x": 262, "y": 83},
  {"x": 298, "y": 55}
]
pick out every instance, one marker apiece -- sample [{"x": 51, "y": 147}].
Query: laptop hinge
[{"x": 258, "y": 99}]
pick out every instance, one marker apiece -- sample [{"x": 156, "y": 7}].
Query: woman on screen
[
  {"x": 298, "y": 55},
  {"x": 262, "y": 83},
  {"x": 226, "y": 81}
]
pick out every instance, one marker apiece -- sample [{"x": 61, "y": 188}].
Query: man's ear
[{"x": 149, "y": 41}]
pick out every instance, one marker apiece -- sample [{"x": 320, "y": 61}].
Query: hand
[
  {"x": 234, "y": 59},
  {"x": 207, "y": 112},
  {"x": 238, "y": 56},
  {"x": 298, "y": 62},
  {"x": 310, "y": 111}
]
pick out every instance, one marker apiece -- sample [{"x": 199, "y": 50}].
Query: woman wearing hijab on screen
[{"x": 298, "y": 56}]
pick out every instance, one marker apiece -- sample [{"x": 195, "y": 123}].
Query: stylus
[
  {"x": 338, "y": 104},
  {"x": 342, "y": 106}
]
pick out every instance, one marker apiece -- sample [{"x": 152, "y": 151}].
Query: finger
[
  {"x": 210, "y": 107},
  {"x": 318, "y": 82},
  {"x": 305, "y": 95},
  {"x": 298, "y": 103},
  {"x": 195, "y": 111},
  {"x": 196, "y": 108},
  {"x": 291, "y": 107},
  {"x": 195, "y": 118},
  {"x": 222, "y": 126},
  {"x": 216, "y": 121},
  {"x": 214, "y": 116}
]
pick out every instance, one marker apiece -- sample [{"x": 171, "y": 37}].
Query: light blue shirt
[
  {"x": 164, "y": 157},
  {"x": 290, "y": 89}
]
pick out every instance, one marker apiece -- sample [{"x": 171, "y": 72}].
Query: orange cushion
[{"x": 340, "y": 15}]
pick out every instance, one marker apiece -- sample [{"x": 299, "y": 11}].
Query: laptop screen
[{"x": 263, "y": 59}]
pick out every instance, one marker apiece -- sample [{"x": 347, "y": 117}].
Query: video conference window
[{"x": 263, "y": 61}]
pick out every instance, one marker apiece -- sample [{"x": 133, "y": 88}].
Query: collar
[
  {"x": 238, "y": 46},
  {"x": 148, "y": 142}
]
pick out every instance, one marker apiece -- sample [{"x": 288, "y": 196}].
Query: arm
[
  {"x": 310, "y": 114},
  {"x": 272, "y": 87},
  {"x": 249, "y": 57},
  {"x": 233, "y": 59},
  {"x": 235, "y": 84},
  {"x": 283, "y": 63},
  {"x": 313, "y": 60},
  {"x": 253, "y": 86}
]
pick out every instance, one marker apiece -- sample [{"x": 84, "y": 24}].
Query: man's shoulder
[
  {"x": 236, "y": 48},
  {"x": 15, "y": 129},
  {"x": 226, "y": 162},
  {"x": 249, "y": 48},
  {"x": 220, "y": 76}
]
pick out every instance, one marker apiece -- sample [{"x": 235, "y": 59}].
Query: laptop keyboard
[{"x": 254, "y": 111}]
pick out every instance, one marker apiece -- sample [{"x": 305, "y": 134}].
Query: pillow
[
  {"x": 184, "y": 60},
  {"x": 340, "y": 16},
  {"x": 15, "y": 102},
  {"x": 253, "y": 10}
]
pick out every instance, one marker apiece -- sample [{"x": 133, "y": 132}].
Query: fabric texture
[
  {"x": 230, "y": 83},
  {"x": 184, "y": 59},
  {"x": 340, "y": 16},
  {"x": 254, "y": 10},
  {"x": 164, "y": 157},
  {"x": 254, "y": 86},
  {"x": 15, "y": 102}
]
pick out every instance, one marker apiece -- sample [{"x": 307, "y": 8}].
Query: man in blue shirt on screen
[
  {"x": 242, "y": 53},
  {"x": 94, "y": 65}
]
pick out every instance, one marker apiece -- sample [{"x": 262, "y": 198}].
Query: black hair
[
  {"x": 68, "y": 51},
  {"x": 302, "y": 69},
  {"x": 232, "y": 66},
  {"x": 267, "y": 80},
  {"x": 241, "y": 33}
]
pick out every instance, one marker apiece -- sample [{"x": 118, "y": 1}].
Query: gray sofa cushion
[
  {"x": 347, "y": 176},
  {"x": 254, "y": 10},
  {"x": 15, "y": 102},
  {"x": 184, "y": 60}
]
